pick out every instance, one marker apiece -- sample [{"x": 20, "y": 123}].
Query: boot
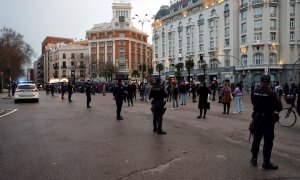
[
  {"x": 253, "y": 161},
  {"x": 269, "y": 165}
]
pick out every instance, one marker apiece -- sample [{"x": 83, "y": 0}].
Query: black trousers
[
  {"x": 266, "y": 132},
  {"x": 203, "y": 111},
  {"x": 129, "y": 100},
  {"x": 226, "y": 107},
  {"x": 62, "y": 95},
  {"x": 88, "y": 100},
  {"x": 157, "y": 119},
  {"x": 119, "y": 104},
  {"x": 70, "y": 96}
]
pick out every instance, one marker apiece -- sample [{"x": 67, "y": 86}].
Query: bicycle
[{"x": 288, "y": 117}]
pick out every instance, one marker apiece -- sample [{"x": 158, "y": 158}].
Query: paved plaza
[{"x": 55, "y": 139}]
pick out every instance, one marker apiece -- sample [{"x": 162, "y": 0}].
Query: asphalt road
[{"x": 55, "y": 139}]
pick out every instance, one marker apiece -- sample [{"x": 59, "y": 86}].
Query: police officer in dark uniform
[
  {"x": 158, "y": 94},
  {"x": 88, "y": 92},
  {"x": 118, "y": 94},
  {"x": 265, "y": 103}
]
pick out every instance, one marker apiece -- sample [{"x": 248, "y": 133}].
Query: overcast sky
[{"x": 36, "y": 19}]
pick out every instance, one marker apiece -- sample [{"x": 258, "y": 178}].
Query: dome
[{"x": 163, "y": 11}]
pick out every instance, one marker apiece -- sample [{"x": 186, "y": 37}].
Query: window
[
  {"x": 292, "y": 22},
  {"x": 64, "y": 56},
  {"x": 121, "y": 66},
  {"x": 93, "y": 59},
  {"x": 64, "y": 74},
  {"x": 94, "y": 52},
  {"x": 273, "y": 36},
  {"x": 201, "y": 38},
  {"x": 244, "y": 15},
  {"x": 102, "y": 44},
  {"x": 188, "y": 30},
  {"x": 273, "y": 58},
  {"x": 227, "y": 63},
  {"x": 257, "y": 37},
  {"x": 258, "y": 58},
  {"x": 109, "y": 43},
  {"x": 257, "y": 24},
  {"x": 272, "y": 11},
  {"x": 292, "y": 10},
  {"x": 212, "y": 34},
  {"x": 201, "y": 47},
  {"x": 227, "y": 32},
  {"x": 226, "y": 8},
  {"x": 292, "y": 36},
  {"x": 227, "y": 42},
  {"x": 121, "y": 43},
  {"x": 101, "y": 51},
  {"x": 212, "y": 23},
  {"x": 101, "y": 58},
  {"x": 257, "y": 11},
  {"x": 121, "y": 57},
  {"x": 121, "y": 35},
  {"x": 180, "y": 43},
  {"x": 109, "y": 58},
  {"x": 273, "y": 24},
  {"x": 212, "y": 45},
  {"x": 201, "y": 28},
  {"x": 109, "y": 50},
  {"x": 244, "y": 39},
  {"x": 94, "y": 45},
  {"x": 110, "y": 35},
  {"x": 244, "y": 28},
  {"x": 213, "y": 63},
  {"x": 101, "y": 36},
  {"x": 94, "y": 37},
  {"x": 81, "y": 55},
  {"x": 121, "y": 49}
]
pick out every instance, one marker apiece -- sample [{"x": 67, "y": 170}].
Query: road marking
[{"x": 10, "y": 111}]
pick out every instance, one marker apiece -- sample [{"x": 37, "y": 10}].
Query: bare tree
[
  {"x": 15, "y": 52},
  {"x": 107, "y": 69}
]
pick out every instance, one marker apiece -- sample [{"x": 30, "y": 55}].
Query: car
[{"x": 26, "y": 91}]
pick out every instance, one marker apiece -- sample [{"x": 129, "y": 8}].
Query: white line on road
[{"x": 12, "y": 111}]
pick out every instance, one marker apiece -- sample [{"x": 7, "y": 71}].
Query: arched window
[
  {"x": 201, "y": 16},
  {"x": 213, "y": 12},
  {"x": 226, "y": 8},
  {"x": 273, "y": 58},
  {"x": 258, "y": 58}
]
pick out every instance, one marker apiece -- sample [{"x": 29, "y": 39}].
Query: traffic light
[{"x": 201, "y": 57}]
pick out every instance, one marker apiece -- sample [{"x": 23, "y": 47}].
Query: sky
[{"x": 36, "y": 19}]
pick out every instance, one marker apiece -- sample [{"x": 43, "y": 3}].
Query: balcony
[
  {"x": 243, "y": 6},
  {"x": 180, "y": 28},
  {"x": 258, "y": 42},
  {"x": 257, "y": 16},
  {"x": 226, "y": 12},
  {"x": 292, "y": 27},
  {"x": 273, "y": 1},
  {"x": 256, "y": 3},
  {"x": 260, "y": 66},
  {"x": 273, "y": 43},
  {"x": 200, "y": 21},
  {"x": 258, "y": 29},
  {"x": 273, "y": 28}
]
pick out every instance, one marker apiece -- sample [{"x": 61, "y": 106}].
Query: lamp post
[
  {"x": 204, "y": 67},
  {"x": 142, "y": 20}
]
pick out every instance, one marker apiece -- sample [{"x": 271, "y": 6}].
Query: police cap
[{"x": 265, "y": 78}]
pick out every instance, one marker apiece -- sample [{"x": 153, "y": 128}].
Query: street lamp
[{"x": 142, "y": 21}]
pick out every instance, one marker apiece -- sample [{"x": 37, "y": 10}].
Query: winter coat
[
  {"x": 226, "y": 94},
  {"x": 203, "y": 94}
]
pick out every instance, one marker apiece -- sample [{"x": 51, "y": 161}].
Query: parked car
[
  {"x": 110, "y": 86},
  {"x": 26, "y": 91},
  {"x": 79, "y": 87}
]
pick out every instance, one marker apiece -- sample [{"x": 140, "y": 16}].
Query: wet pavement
[{"x": 55, "y": 139}]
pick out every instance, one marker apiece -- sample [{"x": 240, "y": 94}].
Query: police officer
[
  {"x": 265, "y": 103},
  {"x": 88, "y": 92},
  {"x": 70, "y": 91},
  {"x": 158, "y": 94},
  {"x": 118, "y": 94}
]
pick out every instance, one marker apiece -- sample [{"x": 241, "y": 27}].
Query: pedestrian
[
  {"x": 158, "y": 94},
  {"x": 194, "y": 91},
  {"x": 238, "y": 98},
  {"x": 103, "y": 89},
  {"x": 88, "y": 92},
  {"x": 130, "y": 92},
  {"x": 134, "y": 90},
  {"x": 265, "y": 103},
  {"x": 52, "y": 89},
  {"x": 118, "y": 96},
  {"x": 226, "y": 97},
  {"x": 13, "y": 88},
  {"x": 175, "y": 93},
  {"x": 70, "y": 91},
  {"x": 214, "y": 87},
  {"x": 47, "y": 88},
  {"x": 220, "y": 92},
  {"x": 298, "y": 99},
  {"x": 286, "y": 89},
  {"x": 183, "y": 92},
  {"x": 62, "y": 89},
  {"x": 278, "y": 90},
  {"x": 203, "y": 103}
]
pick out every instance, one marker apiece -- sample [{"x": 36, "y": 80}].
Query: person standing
[
  {"x": 174, "y": 93},
  {"x": 220, "y": 92},
  {"x": 118, "y": 94},
  {"x": 226, "y": 97},
  {"x": 103, "y": 89},
  {"x": 238, "y": 97},
  {"x": 52, "y": 89},
  {"x": 183, "y": 92},
  {"x": 62, "y": 89},
  {"x": 278, "y": 90},
  {"x": 265, "y": 103},
  {"x": 130, "y": 90},
  {"x": 13, "y": 88},
  {"x": 203, "y": 93},
  {"x": 158, "y": 94},
  {"x": 88, "y": 92},
  {"x": 70, "y": 91}
]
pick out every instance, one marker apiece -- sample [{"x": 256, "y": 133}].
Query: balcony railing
[
  {"x": 180, "y": 28},
  {"x": 273, "y": 1},
  {"x": 200, "y": 21},
  {"x": 256, "y": 2},
  {"x": 260, "y": 66},
  {"x": 243, "y": 5},
  {"x": 258, "y": 42},
  {"x": 292, "y": 14}
]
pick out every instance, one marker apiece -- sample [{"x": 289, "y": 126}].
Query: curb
[{"x": 6, "y": 97}]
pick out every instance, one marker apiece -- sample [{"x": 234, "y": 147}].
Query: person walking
[
  {"x": 70, "y": 91},
  {"x": 62, "y": 90},
  {"x": 220, "y": 92},
  {"x": 158, "y": 94},
  {"x": 226, "y": 97},
  {"x": 174, "y": 94},
  {"x": 238, "y": 98},
  {"x": 265, "y": 103},
  {"x": 183, "y": 92},
  {"x": 203, "y": 104},
  {"x": 88, "y": 92},
  {"x": 52, "y": 89},
  {"x": 118, "y": 96}
]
